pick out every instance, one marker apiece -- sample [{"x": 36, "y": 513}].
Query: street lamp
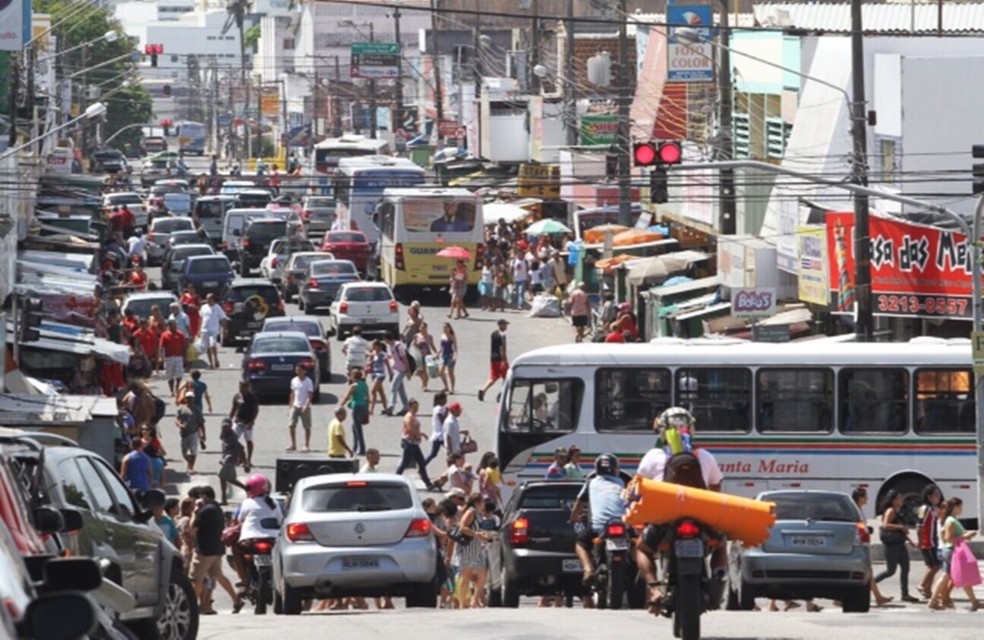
[
  {"x": 94, "y": 110},
  {"x": 110, "y": 36}
]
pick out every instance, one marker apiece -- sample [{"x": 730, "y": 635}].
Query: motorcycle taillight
[
  {"x": 687, "y": 529},
  {"x": 615, "y": 530},
  {"x": 262, "y": 546}
]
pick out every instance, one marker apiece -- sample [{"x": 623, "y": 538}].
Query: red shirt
[
  {"x": 138, "y": 280},
  {"x": 173, "y": 344},
  {"x": 615, "y": 336},
  {"x": 148, "y": 341},
  {"x": 132, "y": 324}
]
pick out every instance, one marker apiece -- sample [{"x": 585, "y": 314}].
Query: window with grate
[
  {"x": 742, "y": 135},
  {"x": 776, "y": 135}
]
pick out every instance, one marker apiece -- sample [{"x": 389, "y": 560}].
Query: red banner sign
[{"x": 916, "y": 270}]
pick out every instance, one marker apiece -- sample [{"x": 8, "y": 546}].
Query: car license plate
[
  {"x": 689, "y": 548},
  {"x": 570, "y": 565},
  {"x": 616, "y": 544},
  {"x": 282, "y": 367},
  {"x": 808, "y": 542},
  {"x": 256, "y": 324},
  {"x": 368, "y": 321},
  {"x": 262, "y": 560},
  {"x": 360, "y": 563},
  {"x": 211, "y": 283}
]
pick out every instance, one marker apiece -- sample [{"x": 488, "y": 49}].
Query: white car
[
  {"x": 133, "y": 202},
  {"x": 272, "y": 264},
  {"x": 369, "y": 305}
]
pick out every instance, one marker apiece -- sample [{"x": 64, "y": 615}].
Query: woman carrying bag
[
  {"x": 894, "y": 537},
  {"x": 959, "y": 564}
]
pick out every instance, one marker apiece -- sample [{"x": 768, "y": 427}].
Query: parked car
[
  {"x": 819, "y": 547},
  {"x": 354, "y": 535},
  {"x": 153, "y": 144},
  {"x": 369, "y": 305},
  {"x": 257, "y": 237},
  {"x": 247, "y": 303},
  {"x": 311, "y": 327},
  {"x": 296, "y": 267},
  {"x": 159, "y": 235},
  {"x": 209, "y": 274},
  {"x": 109, "y": 161},
  {"x": 534, "y": 551},
  {"x": 322, "y": 281},
  {"x": 141, "y": 303},
  {"x": 318, "y": 212},
  {"x": 141, "y": 558},
  {"x": 272, "y": 265},
  {"x": 252, "y": 198},
  {"x": 348, "y": 245},
  {"x": 173, "y": 264},
  {"x": 209, "y": 213},
  {"x": 271, "y": 358}
]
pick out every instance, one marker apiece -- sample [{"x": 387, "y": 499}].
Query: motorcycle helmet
[
  {"x": 675, "y": 427},
  {"x": 606, "y": 464},
  {"x": 257, "y": 485}
]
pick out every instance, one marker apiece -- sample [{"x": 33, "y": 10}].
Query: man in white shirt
[
  {"x": 356, "y": 350},
  {"x": 213, "y": 319},
  {"x": 181, "y": 320},
  {"x": 452, "y": 429},
  {"x": 137, "y": 246},
  {"x": 301, "y": 395}
]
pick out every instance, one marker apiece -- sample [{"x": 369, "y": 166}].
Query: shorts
[
  {"x": 498, "y": 369},
  {"x": 202, "y": 566},
  {"x": 579, "y": 321},
  {"x": 243, "y": 431},
  {"x": 174, "y": 367},
  {"x": 485, "y": 289},
  {"x": 448, "y": 362},
  {"x": 536, "y": 287},
  {"x": 209, "y": 340},
  {"x": 189, "y": 445},
  {"x": 304, "y": 415},
  {"x": 585, "y": 538},
  {"x": 946, "y": 556},
  {"x": 930, "y": 558},
  {"x": 227, "y": 471}
]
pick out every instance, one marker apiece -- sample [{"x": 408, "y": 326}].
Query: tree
[{"x": 102, "y": 64}]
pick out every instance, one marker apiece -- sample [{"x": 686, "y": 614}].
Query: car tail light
[
  {"x": 419, "y": 528},
  {"x": 318, "y": 345},
  {"x": 299, "y": 532},
  {"x": 519, "y": 531},
  {"x": 687, "y": 529},
  {"x": 256, "y": 365},
  {"x": 262, "y": 546},
  {"x": 343, "y": 307},
  {"x": 312, "y": 283},
  {"x": 273, "y": 263},
  {"x": 306, "y": 215},
  {"x": 307, "y": 363},
  {"x": 479, "y": 257},
  {"x": 615, "y": 530},
  {"x": 227, "y": 307},
  {"x": 394, "y": 306},
  {"x": 400, "y": 264},
  {"x": 246, "y": 243},
  {"x": 861, "y": 534}
]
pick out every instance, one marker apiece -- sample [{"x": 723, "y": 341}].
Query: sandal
[
  {"x": 813, "y": 607},
  {"x": 792, "y": 604}
]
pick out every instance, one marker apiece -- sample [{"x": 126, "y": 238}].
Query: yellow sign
[
  {"x": 270, "y": 101},
  {"x": 539, "y": 181},
  {"x": 811, "y": 250},
  {"x": 977, "y": 345}
]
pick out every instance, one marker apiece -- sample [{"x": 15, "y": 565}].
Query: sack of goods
[
  {"x": 432, "y": 368},
  {"x": 545, "y": 306}
]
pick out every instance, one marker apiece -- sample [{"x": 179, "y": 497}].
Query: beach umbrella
[
  {"x": 457, "y": 253},
  {"x": 649, "y": 271},
  {"x": 546, "y": 226}
]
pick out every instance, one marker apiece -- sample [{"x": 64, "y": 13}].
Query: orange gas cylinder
[{"x": 657, "y": 502}]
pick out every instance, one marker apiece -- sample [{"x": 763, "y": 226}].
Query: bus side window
[
  {"x": 721, "y": 400},
  {"x": 944, "y": 401},
  {"x": 629, "y": 399},
  {"x": 874, "y": 401},
  {"x": 794, "y": 400}
]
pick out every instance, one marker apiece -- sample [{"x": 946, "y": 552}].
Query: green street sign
[{"x": 375, "y": 60}]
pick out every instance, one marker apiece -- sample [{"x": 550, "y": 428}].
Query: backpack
[
  {"x": 160, "y": 408},
  {"x": 684, "y": 469}
]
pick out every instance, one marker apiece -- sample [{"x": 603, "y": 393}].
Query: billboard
[
  {"x": 599, "y": 129},
  {"x": 375, "y": 60},
  {"x": 916, "y": 270},
  {"x": 690, "y": 62},
  {"x": 15, "y": 24},
  {"x": 812, "y": 265}
]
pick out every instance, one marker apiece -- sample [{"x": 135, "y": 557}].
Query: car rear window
[
  {"x": 243, "y": 293},
  {"x": 309, "y": 328},
  {"x": 301, "y": 262},
  {"x": 347, "y": 237},
  {"x": 555, "y": 497},
  {"x": 357, "y": 496},
  {"x": 806, "y": 506},
  {"x": 267, "y": 230},
  {"x": 213, "y": 209},
  {"x": 183, "y": 253},
  {"x": 217, "y": 264},
  {"x": 280, "y": 344},
  {"x": 332, "y": 269},
  {"x": 141, "y": 307},
  {"x": 124, "y": 198},
  {"x": 253, "y": 199},
  {"x": 312, "y": 203},
  {"x": 170, "y": 225},
  {"x": 368, "y": 294}
]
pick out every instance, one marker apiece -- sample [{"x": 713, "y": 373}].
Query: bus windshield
[{"x": 544, "y": 405}]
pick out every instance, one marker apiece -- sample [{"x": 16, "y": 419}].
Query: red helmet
[{"x": 257, "y": 485}]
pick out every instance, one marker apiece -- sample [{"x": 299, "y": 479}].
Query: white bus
[
  {"x": 416, "y": 223},
  {"x": 329, "y": 151},
  {"x": 814, "y": 415},
  {"x": 358, "y": 186}
]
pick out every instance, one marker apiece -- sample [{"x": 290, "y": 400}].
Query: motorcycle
[
  {"x": 612, "y": 565},
  {"x": 691, "y": 589},
  {"x": 259, "y": 568}
]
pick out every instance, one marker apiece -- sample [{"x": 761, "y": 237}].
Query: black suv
[
  {"x": 247, "y": 303},
  {"x": 109, "y": 161},
  {"x": 256, "y": 240},
  {"x": 115, "y": 527}
]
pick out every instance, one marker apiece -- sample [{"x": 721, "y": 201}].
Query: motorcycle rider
[
  {"x": 602, "y": 491},
  {"x": 257, "y": 510},
  {"x": 652, "y": 466}
]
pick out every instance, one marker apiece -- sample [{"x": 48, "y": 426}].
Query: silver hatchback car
[
  {"x": 354, "y": 535},
  {"x": 819, "y": 547}
]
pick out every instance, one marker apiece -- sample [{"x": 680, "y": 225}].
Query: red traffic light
[
  {"x": 644, "y": 154},
  {"x": 648, "y": 154},
  {"x": 670, "y": 153},
  {"x": 166, "y": 122},
  {"x": 153, "y": 49}
]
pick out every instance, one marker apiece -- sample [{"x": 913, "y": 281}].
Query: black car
[
  {"x": 257, "y": 237},
  {"x": 271, "y": 358},
  {"x": 321, "y": 282},
  {"x": 311, "y": 327},
  {"x": 109, "y": 161},
  {"x": 247, "y": 303}
]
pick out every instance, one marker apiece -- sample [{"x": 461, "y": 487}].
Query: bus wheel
[{"x": 911, "y": 488}]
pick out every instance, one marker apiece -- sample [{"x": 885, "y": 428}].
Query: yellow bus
[{"x": 416, "y": 223}]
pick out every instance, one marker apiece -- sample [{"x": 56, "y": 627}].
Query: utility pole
[
  {"x": 286, "y": 129},
  {"x": 12, "y": 108},
  {"x": 864, "y": 326},
  {"x": 398, "y": 107},
  {"x": 570, "y": 88},
  {"x": 534, "y": 57},
  {"x": 622, "y": 141},
  {"x": 438, "y": 90},
  {"x": 339, "y": 129},
  {"x": 479, "y": 70},
  {"x": 725, "y": 148},
  {"x": 372, "y": 91}
]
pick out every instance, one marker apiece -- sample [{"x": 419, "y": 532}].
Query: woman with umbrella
[{"x": 458, "y": 288}]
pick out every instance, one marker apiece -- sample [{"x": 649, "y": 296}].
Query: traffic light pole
[
  {"x": 623, "y": 141},
  {"x": 725, "y": 147},
  {"x": 864, "y": 326},
  {"x": 15, "y": 309}
]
